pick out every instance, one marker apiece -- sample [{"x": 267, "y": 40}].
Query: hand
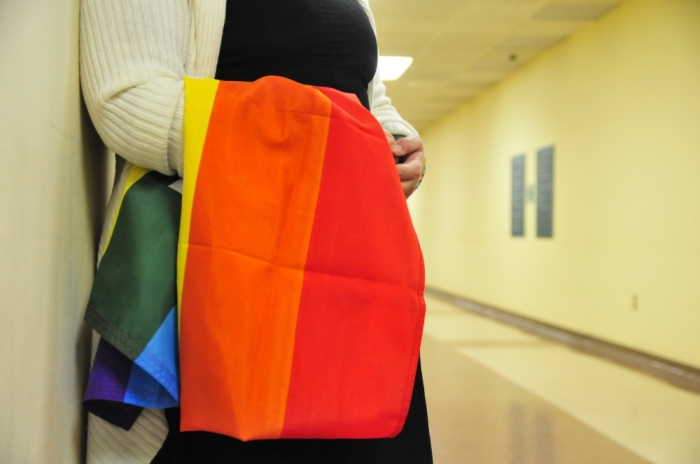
[{"x": 408, "y": 152}]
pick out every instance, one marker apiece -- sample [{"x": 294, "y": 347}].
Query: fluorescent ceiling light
[{"x": 392, "y": 67}]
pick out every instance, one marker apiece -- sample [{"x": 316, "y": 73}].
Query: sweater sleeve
[
  {"x": 133, "y": 55},
  {"x": 384, "y": 111},
  {"x": 381, "y": 106}
]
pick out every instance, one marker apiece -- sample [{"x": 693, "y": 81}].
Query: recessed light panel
[{"x": 392, "y": 67}]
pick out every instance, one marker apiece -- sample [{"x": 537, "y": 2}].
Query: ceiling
[{"x": 461, "y": 47}]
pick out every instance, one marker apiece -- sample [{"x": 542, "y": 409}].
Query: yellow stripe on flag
[
  {"x": 134, "y": 176},
  {"x": 200, "y": 95}
]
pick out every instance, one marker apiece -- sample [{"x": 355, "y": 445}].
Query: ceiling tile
[
  {"x": 530, "y": 41},
  {"x": 563, "y": 27},
  {"x": 465, "y": 39},
  {"x": 462, "y": 47},
  {"x": 566, "y": 10}
]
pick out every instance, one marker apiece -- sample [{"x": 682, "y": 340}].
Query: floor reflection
[{"x": 477, "y": 416}]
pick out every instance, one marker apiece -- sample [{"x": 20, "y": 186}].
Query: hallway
[
  {"x": 563, "y": 159},
  {"x": 499, "y": 395}
]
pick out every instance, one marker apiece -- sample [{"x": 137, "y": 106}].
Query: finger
[
  {"x": 389, "y": 137},
  {"x": 414, "y": 157},
  {"x": 409, "y": 187},
  {"x": 407, "y": 145},
  {"x": 414, "y": 160},
  {"x": 410, "y": 170}
]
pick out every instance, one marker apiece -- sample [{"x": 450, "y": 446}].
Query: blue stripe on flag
[
  {"x": 144, "y": 391},
  {"x": 160, "y": 358}
]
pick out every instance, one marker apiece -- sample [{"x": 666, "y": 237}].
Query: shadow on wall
[{"x": 98, "y": 174}]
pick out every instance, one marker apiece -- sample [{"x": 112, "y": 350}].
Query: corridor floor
[{"x": 497, "y": 395}]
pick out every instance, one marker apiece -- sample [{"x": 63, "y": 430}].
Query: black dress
[{"x": 326, "y": 43}]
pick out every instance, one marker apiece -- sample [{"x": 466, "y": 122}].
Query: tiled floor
[{"x": 499, "y": 395}]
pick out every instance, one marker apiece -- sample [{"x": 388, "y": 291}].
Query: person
[{"x": 134, "y": 55}]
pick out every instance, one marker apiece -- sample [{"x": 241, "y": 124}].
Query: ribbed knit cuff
[
  {"x": 398, "y": 128},
  {"x": 176, "y": 147}
]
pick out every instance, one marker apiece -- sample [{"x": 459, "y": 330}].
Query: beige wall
[
  {"x": 620, "y": 100},
  {"x": 52, "y": 192}
]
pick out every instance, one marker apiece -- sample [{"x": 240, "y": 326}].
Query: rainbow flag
[{"x": 300, "y": 276}]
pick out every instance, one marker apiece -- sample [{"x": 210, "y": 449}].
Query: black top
[{"x": 327, "y": 43}]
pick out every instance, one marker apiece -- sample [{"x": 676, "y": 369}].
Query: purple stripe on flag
[
  {"x": 107, "y": 386},
  {"x": 110, "y": 374}
]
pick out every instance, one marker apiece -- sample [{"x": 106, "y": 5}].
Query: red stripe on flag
[{"x": 361, "y": 312}]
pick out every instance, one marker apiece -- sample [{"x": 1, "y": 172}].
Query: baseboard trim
[{"x": 680, "y": 375}]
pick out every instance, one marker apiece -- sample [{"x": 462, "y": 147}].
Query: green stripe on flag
[{"x": 135, "y": 284}]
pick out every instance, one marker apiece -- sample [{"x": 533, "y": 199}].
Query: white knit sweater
[{"x": 133, "y": 56}]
